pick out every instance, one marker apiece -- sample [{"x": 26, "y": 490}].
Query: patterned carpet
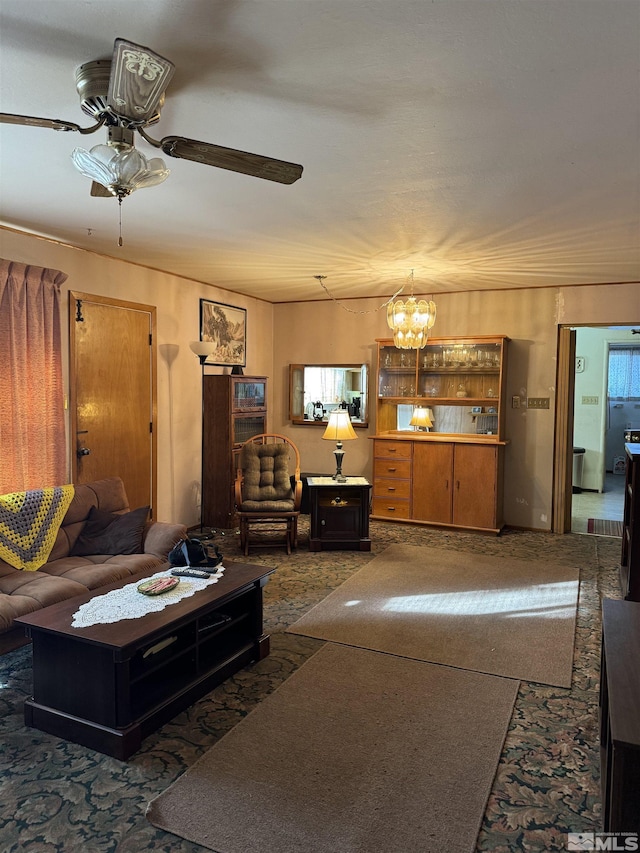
[{"x": 59, "y": 796}]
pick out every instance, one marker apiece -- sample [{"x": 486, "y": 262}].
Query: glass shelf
[{"x": 448, "y": 375}]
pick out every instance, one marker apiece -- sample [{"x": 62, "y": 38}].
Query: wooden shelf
[
  {"x": 630, "y": 557},
  {"x": 452, "y": 475},
  {"x": 234, "y": 410}
]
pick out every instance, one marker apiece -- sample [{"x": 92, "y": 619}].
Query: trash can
[{"x": 578, "y": 467}]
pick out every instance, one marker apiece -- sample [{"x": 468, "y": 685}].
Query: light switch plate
[{"x": 538, "y": 403}]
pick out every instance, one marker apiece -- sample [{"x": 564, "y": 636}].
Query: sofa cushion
[
  {"x": 108, "y": 494},
  {"x": 96, "y": 571},
  {"x": 111, "y": 533},
  {"x": 26, "y": 592}
]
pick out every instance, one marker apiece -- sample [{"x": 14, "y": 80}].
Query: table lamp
[
  {"x": 339, "y": 429},
  {"x": 421, "y": 419}
]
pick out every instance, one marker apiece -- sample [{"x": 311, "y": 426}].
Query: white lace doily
[{"x": 128, "y": 603}]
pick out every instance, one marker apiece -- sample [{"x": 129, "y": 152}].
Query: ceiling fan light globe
[{"x": 120, "y": 169}]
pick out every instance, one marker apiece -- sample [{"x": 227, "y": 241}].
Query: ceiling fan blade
[
  {"x": 231, "y": 159},
  {"x": 98, "y": 191},
  {"x": 138, "y": 79},
  {"x": 32, "y": 121}
]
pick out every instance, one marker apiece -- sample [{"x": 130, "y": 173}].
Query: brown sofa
[{"x": 65, "y": 575}]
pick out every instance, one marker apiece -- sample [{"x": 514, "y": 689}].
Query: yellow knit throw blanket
[{"x": 29, "y": 524}]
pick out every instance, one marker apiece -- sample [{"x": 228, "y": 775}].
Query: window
[{"x": 624, "y": 373}]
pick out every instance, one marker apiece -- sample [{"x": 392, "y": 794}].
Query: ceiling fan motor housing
[{"x": 92, "y": 84}]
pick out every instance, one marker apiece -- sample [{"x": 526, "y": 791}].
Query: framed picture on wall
[{"x": 226, "y": 327}]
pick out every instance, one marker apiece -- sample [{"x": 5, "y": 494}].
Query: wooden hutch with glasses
[{"x": 451, "y": 475}]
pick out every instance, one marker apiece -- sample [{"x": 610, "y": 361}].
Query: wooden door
[
  {"x": 113, "y": 397},
  {"x": 475, "y": 487},
  {"x": 432, "y": 482}
]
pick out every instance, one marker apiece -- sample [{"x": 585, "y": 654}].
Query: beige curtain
[{"x": 32, "y": 430}]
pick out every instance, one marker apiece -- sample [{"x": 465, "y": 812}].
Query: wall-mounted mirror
[{"x": 316, "y": 389}]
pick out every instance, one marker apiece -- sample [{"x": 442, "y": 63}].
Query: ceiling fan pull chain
[{"x": 120, "y": 221}]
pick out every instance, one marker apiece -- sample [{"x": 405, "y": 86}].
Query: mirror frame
[{"x": 297, "y": 408}]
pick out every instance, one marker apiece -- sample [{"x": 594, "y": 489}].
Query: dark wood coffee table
[{"x": 109, "y": 686}]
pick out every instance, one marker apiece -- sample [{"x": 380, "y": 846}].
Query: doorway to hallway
[
  {"x": 607, "y": 505},
  {"x": 601, "y": 412}
]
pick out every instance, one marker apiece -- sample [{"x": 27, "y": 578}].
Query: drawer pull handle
[
  {"x": 391, "y": 488},
  {"x": 393, "y": 450},
  {"x": 392, "y": 470},
  {"x": 391, "y": 508}
]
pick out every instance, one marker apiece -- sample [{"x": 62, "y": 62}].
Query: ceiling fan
[{"x": 125, "y": 94}]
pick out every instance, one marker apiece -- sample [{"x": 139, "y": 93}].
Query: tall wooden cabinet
[
  {"x": 630, "y": 559},
  {"x": 234, "y": 410},
  {"x": 451, "y": 475}
]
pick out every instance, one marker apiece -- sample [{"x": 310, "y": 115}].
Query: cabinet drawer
[
  {"x": 386, "y": 487},
  {"x": 393, "y": 449},
  {"x": 386, "y": 468},
  {"x": 391, "y": 507}
]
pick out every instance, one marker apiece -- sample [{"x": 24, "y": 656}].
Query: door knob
[{"x": 83, "y": 451}]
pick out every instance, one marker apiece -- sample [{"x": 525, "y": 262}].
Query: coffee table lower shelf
[{"x": 109, "y": 686}]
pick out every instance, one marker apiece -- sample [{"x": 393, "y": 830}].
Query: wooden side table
[{"x": 339, "y": 514}]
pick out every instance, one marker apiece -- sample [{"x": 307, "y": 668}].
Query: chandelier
[{"x": 411, "y": 321}]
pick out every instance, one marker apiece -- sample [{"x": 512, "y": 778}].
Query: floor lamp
[{"x": 203, "y": 349}]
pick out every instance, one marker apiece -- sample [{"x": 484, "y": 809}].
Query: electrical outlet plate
[
  {"x": 579, "y": 363},
  {"x": 538, "y": 403}
]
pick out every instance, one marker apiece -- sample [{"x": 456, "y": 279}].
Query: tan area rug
[
  {"x": 357, "y": 752},
  {"x": 499, "y": 615}
]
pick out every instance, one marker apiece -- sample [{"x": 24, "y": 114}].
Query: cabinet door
[
  {"x": 475, "y": 486},
  {"x": 432, "y": 482}
]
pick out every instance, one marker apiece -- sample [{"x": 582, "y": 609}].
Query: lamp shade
[
  {"x": 421, "y": 417},
  {"x": 203, "y": 349},
  {"x": 339, "y": 427}
]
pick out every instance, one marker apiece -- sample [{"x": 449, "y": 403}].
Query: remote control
[{"x": 190, "y": 573}]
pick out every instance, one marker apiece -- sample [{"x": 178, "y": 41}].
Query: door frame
[
  {"x": 563, "y": 436},
  {"x": 563, "y": 431},
  {"x": 74, "y": 298}
]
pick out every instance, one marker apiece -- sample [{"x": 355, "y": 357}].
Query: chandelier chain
[{"x": 321, "y": 278}]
